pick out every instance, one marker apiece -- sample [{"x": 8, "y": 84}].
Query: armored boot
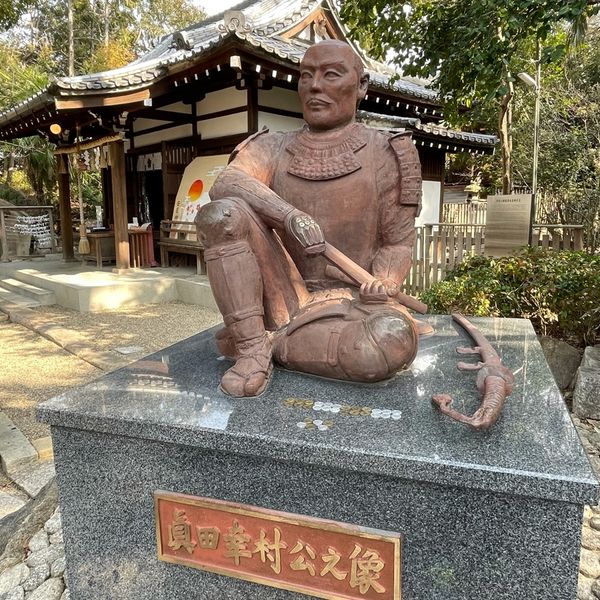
[
  {"x": 253, "y": 365},
  {"x": 237, "y": 286}
]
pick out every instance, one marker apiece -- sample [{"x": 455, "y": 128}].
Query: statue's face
[{"x": 329, "y": 86}]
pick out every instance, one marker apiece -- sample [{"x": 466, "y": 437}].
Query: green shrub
[
  {"x": 558, "y": 291},
  {"x": 14, "y": 195}
]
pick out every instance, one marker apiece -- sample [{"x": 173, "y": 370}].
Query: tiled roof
[
  {"x": 257, "y": 23},
  {"x": 264, "y": 21},
  {"x": 437, "y": 131},
  {"x": 454, "y": 134}
]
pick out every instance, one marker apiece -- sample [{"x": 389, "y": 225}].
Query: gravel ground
[
  {"x": 33, "y": 369},
  {"x": 150, "y": 327}
]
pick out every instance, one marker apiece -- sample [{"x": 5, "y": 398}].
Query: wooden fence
[
  {"x": 558, "y": 237},
  {"x": 440, "y": 247},
  {"x": 464, "y": 212}
]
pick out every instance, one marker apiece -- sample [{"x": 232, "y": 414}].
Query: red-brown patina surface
[{"x": 326, "y": 559}]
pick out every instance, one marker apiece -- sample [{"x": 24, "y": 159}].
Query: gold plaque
[{"x": 321, "y": 558}]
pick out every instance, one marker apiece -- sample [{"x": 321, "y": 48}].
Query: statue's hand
[
  {"x": 378, "y": 291},
  {"x": 307, "y": 231}
]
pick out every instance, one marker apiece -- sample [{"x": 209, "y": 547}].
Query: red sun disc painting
[{"x": 195, "y": 190}]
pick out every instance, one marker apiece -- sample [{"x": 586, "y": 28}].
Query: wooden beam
[
  {"x": 64, "y": 204},
  {"x": 195, "y": 129},
  {"x": 209, "y": 146},
  {"x": 96, "y": 101},
  {"x": 156, "y": 128},
  {"x": 164, "y": 94},
  {"x": 165, "y": 187},
  {"x": 119, "y": 192},
  {"x": 215, "y": 115},
  {"x": 281, "y": 111},
  {"x": 165, "y": 115},
  {"x": 299, "y": 27}
]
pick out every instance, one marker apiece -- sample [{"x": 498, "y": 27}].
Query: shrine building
[{"x": 201, "y": 91}]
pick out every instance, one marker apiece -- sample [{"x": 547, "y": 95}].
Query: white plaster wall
[
  {"x": 430, "y": 211},
  {"x": 179, "y": 107},
  {"x": 222, "y": 100},
  {"x": 278, "y": 122},
  {"x": 141, "y": 124},
  {"x": 174, "y": 133},
  {"x": 229, "y": 125},
  {"x": 280, "y": 98}
]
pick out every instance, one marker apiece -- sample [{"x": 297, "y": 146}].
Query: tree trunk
[
  {"x": 10, "y": 167},
  {"x": 106, "y": 22},
  {"x": 71, "y": 38},
  {"x": 505, "y": 133}
]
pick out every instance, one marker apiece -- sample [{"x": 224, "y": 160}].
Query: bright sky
[{"x": 212, "y": 7}]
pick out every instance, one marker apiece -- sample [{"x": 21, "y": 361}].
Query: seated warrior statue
[{"x": 284, "y": 198}]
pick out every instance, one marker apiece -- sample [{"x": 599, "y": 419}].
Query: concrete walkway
[{"x": 85, "y": 287}]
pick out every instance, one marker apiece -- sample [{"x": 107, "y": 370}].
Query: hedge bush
[{"x": 558, "y": 291}]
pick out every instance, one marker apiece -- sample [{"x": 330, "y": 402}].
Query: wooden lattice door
[{"x": 175, "y": 158}]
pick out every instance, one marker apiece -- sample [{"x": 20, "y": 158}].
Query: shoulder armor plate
[{"x": 243, "y": 144}]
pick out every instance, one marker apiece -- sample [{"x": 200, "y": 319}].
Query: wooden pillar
[
  {"x": 119, "y": 194},
  {"x": 64, "y": 205},
  {"x": 252, "y": 106},
  {"x": 195, "y": 130},
  {"x": 3, "y": 238}
]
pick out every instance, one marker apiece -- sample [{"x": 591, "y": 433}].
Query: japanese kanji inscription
[{"x": 326, "y": 559}]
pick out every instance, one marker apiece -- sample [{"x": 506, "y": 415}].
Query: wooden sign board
[
  {"x": 320, "y": 558},
  {"x": 508, "y": 223},
  {"x": 196, "y": 182}
]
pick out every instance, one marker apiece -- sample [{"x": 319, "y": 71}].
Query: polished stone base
[{"x": 484, "y": 515}]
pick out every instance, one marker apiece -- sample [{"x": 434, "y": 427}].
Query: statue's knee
[
  {"x": 355, "y": 343},
  {"x": 377, "y": 346},
  {"x": 221, "y": 221}
]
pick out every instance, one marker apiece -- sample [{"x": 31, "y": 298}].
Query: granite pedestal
[{"x": 484, "y": 515}]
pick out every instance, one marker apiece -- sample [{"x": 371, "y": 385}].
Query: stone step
[
  {"x": 11, "y": 502},
  {"x": 33, "y": 478},
  {"x": 9, "y": 299},
  {"x": 41, "y": 295},
  {"x": 15, "y": 450}
]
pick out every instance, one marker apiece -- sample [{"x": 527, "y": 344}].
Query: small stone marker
[
  {"x": 129, "y": 350},
  {"x": 34, "y": 478}
]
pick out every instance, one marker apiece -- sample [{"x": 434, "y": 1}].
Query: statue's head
[{"x": 332, "y": 84}]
